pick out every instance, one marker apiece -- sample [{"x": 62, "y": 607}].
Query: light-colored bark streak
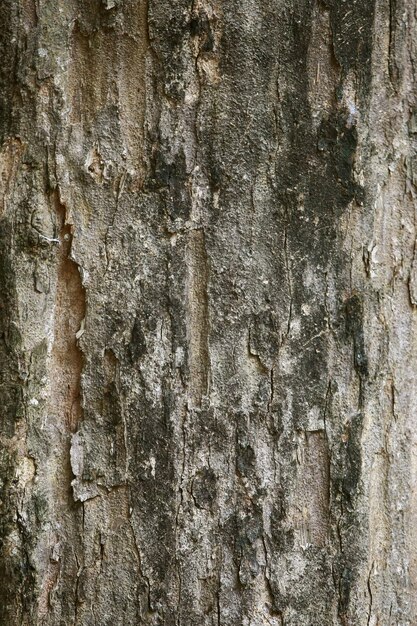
[
  {"x": 132, "y": 54},
  {"x": 10, "y": 156},
  {"x": 197, "y": 316},
  {"x": 323, "y": 69},
  {"x": 390, "y": 266},
  {"x": 313, "y": 480}
]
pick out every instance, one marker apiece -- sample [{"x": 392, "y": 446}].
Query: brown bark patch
[{"x": 68, "y": 319}]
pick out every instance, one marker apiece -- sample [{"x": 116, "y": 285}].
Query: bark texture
[{"x": 208, "y": 279}]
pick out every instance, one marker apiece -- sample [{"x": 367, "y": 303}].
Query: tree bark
[{"x": 208, "y": 312}]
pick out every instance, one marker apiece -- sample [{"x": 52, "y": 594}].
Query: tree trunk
[{"x": 208, "y": 313}]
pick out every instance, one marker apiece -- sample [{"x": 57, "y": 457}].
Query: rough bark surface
[{"x": 208, "y": 277}]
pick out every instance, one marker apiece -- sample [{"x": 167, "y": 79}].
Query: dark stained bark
[{"x": 207, "y": 321}]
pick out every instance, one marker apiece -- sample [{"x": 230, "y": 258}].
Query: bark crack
[{"x": 370, "y": 594}]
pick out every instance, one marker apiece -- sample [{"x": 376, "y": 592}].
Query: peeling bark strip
[{"x": 235, "y": 184}]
